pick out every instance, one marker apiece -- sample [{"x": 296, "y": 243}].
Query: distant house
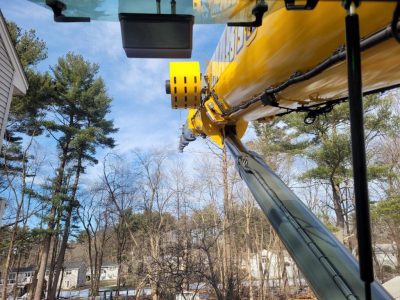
[
  {"x": 188, "y": 295},
  {"x": 21, "y": 276},
  {"x": 386, "y": 255},
  {"x": 73, "y": 275},
  {"x": 276, "y": 266},
  {"x": 109, "y": 271},
  {"x": 12, "y": 77}
]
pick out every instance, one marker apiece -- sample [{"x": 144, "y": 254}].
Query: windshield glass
[{"x": 205, "y": 11}]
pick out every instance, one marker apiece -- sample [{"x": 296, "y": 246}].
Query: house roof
[
  {"x": 20, "y": 81},
  {"x": 385, "y": 247},
  {"x": 23, "y": 269},
  {"x": 74, "y": 264},
  {"x": 109, "y": 264}
]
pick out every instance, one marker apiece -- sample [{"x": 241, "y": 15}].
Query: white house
[
  {"x": 21, "y": 276},
  {"x": 386, "y": 255},
  {"x": 73, "y": 275},
  {"x": 187, "y": 295},
  {"x": 109, "y": 271},
  {"x": 12, "y": 77},
  {"x": 276, "y": 266}
]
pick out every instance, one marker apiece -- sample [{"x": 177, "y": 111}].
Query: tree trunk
[
  {"x": 99, "y": 253},
  {"x": 64, "y": 243},
  {"x": 226, "y": 258},
  {"x": 91, "y": 264},
  {"x": 7, "y": 266},
  {"x": 42, "y": 267},
  {"x": 55, "y": 274},
  {"x": 15, "y": 286},
  {"x": 118, "y": 278},
  {"x": 20, "y": 204},
  {"x": 213, "y": 277},
  {"x": 51, "y": 225},
  {"x": 60, "y": 285},
  {"x": 337, "y": 205},
  {"x": 34, "y": 279},
  {"x": 54, "y": 249},
  {"x": 248, "y": 246}
]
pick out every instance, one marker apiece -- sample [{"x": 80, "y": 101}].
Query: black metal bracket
[
  {"x": 58, "y": 7},
  {"x": 309, "y": 5},
  {"x": 313, "y": 114},
  {"x": 258, "y": 12},
  {"x": 269, "y": 99},
  {"x": 173, "y": 7},
  {"x": 347, "y": 3}
]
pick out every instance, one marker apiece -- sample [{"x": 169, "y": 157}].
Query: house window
[
  {"x": 264, "y": 260},
  {"x": 11, "y": 278},
  {"x": 68, "y": 273},
  {"x": 67, "y": 283}
]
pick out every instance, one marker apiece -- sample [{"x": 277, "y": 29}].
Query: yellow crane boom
[{"x": 295, "y": 60}]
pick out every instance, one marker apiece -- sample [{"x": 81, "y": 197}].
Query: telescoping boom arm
[{"x": 330, "y": 269}]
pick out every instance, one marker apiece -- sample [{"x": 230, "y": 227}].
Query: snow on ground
[{"x": 85, "y": 293}]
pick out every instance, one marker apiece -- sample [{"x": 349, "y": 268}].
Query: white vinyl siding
[{"x": 6, "y": 86}]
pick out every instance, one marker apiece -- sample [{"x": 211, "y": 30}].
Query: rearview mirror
[{"x": 157, "y": 35}]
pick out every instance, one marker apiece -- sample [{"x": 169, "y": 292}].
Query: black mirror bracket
[
  {"x": 58, "y": 7},
  {"x": 309, "y": 5},
  {"x": 261, "y": 8},
  {"x": 348, "y": 3},
  {"x": 258, "y": 12}
]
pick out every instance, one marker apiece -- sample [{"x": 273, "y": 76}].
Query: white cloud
[
  {"x": 105, "y": 39},
  {"x": 142, "y": 79}
]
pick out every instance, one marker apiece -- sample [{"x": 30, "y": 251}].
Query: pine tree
[{"x": 76, "y": 119}]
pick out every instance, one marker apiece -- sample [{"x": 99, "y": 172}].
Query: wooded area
[{"x": 169, "y": 226}]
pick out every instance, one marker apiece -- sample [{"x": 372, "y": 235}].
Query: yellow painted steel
[
  {"x": 199, "y": 122},
  {"x": 185, "y": 82},
  {"x": 248, "y": 61},
  {"x": 296, "y": 41}
]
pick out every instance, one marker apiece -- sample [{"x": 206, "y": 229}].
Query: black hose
[{"x": 338, "y": 56}]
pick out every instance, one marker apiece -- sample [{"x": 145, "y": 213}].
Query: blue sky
[{"x": 140, "y": 109}]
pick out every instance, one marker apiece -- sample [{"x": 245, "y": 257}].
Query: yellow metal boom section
[
  {"x": 247, "y": 61},
  {"x": 185, "y": 84}
]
